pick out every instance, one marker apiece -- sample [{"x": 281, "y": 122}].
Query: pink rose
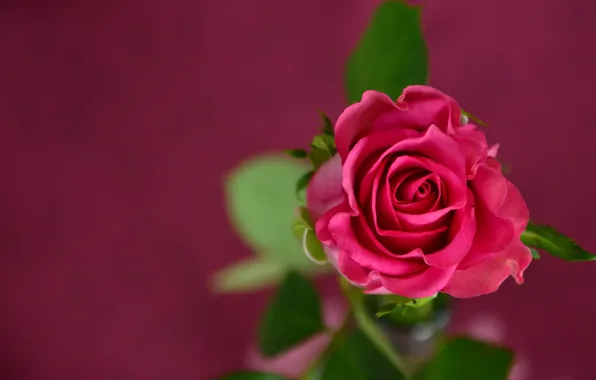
[{"x": 414, "y": 202}]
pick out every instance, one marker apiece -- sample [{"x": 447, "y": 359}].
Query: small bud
[{"x": 463, "y": 120}]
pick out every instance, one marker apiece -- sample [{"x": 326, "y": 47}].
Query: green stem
[{"x": 368, "y": 325}]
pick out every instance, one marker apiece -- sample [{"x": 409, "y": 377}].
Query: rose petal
[
  {"x": 347, "y": 231},
  {"x": 488, "y": 276},
  {"x": 358, "y": 118},
  {"x": 325, "y": 188},
  {"x": 381, "y": 205},
  {"x": 493, "y": 234},
  {"x": 453, "y": 193},
  {"x": 460, "y": 238},
  {"x": 497, "y": 230},
  {"x": 433, "y": 145},
  {"x": 418, "y": 108},
  {"x": 420, "y": 207},
  {"x": 365, "y": 159},
  {"x": 490, "y": 186},
  {"x": 430, "y": 203},
  {"x": 423, "y": 284},
  {"x": 515, "y": 209},
  {"x": 501, "y": 213},
  {"x": 493, "y": 163},
  {"x": 493, "y": 151},
  {"x": 472, "y": 143},
  {"x": 322, "y": 224},
  {"x": 409, "y": 188}
]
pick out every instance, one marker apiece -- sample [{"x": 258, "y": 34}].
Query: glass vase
[{"x": 414, "y": 332}]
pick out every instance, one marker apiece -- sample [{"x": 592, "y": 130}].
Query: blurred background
[{"x": 119, "y": 120}]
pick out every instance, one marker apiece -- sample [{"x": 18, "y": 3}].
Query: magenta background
[{"x": 119, "y": 119}]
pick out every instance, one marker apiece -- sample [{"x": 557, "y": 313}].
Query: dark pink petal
[
  {"x": 357, "y": 119},
  {"x": 462, "y": 230},
  {"x": 420, "y": 207},
  {"x": 433, "y": 145},
  {"x": 486, "y": 277},
  {"x": 501, "y": 214},
  {"x": 408, "y": 189},
  {"x": 493, "y": 163},
  {"x": 472, "y": 143},
  {"x": 325, "y": 188},
  {"x": 515, "y": 209},
  {"x": 401, "y": 242},
  {"x": 490, "y": 187},
  {"x": 322, "y": 224},
  {"x": 493, "y": 234},
  {"x": 418, "y": 108},
  {"x": 423, "y": 284},
  {"x": 397, "y": 179},
  {"x": 381, "y": 204},
  {"x": 496, "y": 230},
  {"x": 453, "y": 192},
  {"x": 431, "y": 203},
  {"x": 341, "y": 226},
  {"x": 365, "y": 159}
]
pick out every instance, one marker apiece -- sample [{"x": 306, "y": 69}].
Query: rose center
[
  {"x": 415, "y": 188},
  {"x": 423, "y": 190}
]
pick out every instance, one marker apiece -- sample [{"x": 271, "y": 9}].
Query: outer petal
[
  {"x": 423, "y": 284},
  {"x": 325, "y": 190},
  {"x": 515, "y": 209},
  {"x": 418, "y": 108},
  {"x": 472, "y": 143},
  {"x": 358, "y": 118},
  {"x": 322, "y": 224},
  {"x": 501, "y": 215},
  {"x": 488, "y": 276},
  {"x": 369, "y": 256},
  {"x": 490, "y": 186}
]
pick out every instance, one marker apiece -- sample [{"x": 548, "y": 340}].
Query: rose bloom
[{"x": 415, "y": 203}]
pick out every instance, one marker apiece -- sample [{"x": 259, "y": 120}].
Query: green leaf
[
  {"x": 252, "y": 376},
  {"x": 303, "y": 215},
  {"x": 466, "y": 359},
  {"x": 327, "y": 124},
  {"x": 248, "y": 275},
  {"x": 318, "y": 157},
  {"x": 256, "y": 273},
  {"x": 297, "y": 153},
  {"x": 303, "y": 230},
  {"x": 391, "y": 55},
  {"x": 324, "y": 142},
  {"x": 312, "y": 247},
  {"x": 371, "y": 329},
  {"x": 359, "y": 359},
  {"x": 548, "y": 239},
  {"x": 298, "y": 229},
  {"x": 260, "y": 202},
  {"x": 535, "y": 254},
  {"x": 293, "y": 316},
  {"x": 303, "y": 182}
]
